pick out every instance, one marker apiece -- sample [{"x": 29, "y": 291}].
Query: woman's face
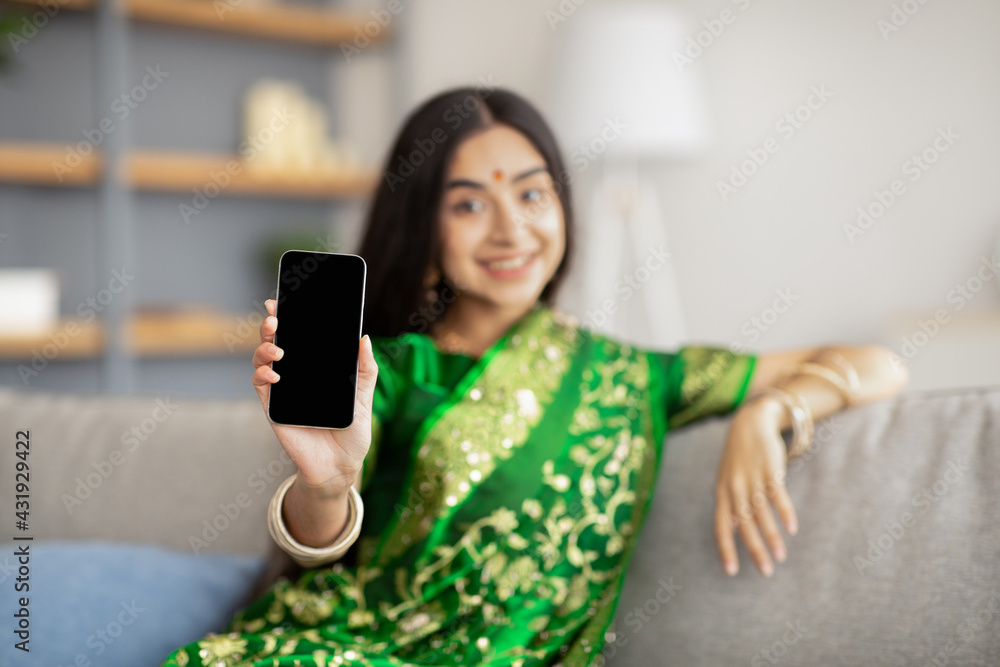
[{"x": 501, "y": 220}]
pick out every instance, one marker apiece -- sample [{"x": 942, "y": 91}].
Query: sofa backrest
[
  {"x": 896, "y": 561},
  {"x": 186, "y": 474}
]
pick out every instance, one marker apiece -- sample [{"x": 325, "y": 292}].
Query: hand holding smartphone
[{"x": 320, "y": 302}]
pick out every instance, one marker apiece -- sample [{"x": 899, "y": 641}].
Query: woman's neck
[{"x": 478, "y": 324}]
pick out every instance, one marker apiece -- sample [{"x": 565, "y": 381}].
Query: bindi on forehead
[{"x": 496, "y": 175}]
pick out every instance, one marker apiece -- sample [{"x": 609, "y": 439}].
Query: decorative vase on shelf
[{"x": 285, "y": 132}]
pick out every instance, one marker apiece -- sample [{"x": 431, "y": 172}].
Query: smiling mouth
[{"x": 511, "y": 263}]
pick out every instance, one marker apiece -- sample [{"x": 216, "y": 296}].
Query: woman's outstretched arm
[
  {"x": 753, "y": 467},
  {"x": 328, "y": 461},
  {"x": 881, "y": 372}
]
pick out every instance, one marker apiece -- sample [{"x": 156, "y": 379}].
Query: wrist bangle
[
  {"x": 821, "y": 371},
  {"x": 846, "y": 367},
  {"x": 802, "y": 422},
  {"x": 312, "y": 556}
]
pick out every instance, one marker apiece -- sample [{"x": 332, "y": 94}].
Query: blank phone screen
[{"x": 320, "y": 302}]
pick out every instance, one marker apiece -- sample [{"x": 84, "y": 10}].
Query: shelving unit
[{"x": 126, "y": 332}]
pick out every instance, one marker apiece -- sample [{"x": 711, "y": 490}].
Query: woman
[{"x": 506, "y": 455}]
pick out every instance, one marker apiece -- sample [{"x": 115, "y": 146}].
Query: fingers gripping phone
[{"x": 320, "y": 301}]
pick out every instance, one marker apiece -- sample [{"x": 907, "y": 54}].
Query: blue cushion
[{"x": 106, "y": 603}]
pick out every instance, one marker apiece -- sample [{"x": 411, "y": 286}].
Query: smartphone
[{"x": 320, "y": 301}]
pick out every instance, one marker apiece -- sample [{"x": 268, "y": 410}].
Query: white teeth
[{"x": 512, "y": 263}]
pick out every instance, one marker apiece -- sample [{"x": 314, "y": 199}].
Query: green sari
[{"x": 503, "y": 498}]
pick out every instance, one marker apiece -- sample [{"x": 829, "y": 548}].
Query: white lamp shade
[{"x": 614, "y": 63}]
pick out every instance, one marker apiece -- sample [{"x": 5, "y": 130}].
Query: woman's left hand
[{"x": 751, "y": 478}]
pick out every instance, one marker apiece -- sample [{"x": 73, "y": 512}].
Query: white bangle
[
  {"x": 802, "y": 421},
  {"x": 312, "y": 556}
]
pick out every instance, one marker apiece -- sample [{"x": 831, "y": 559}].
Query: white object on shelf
[
  {"x": 287, "y": 131},
  {"x": 30, "y": 299}
]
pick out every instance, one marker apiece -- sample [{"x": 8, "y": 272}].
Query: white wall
[{"x": 783, "y": 230}]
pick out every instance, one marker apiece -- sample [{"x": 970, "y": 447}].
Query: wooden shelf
[
  {"x": 167, "y": 171},
  {"x": 72, "y": 338},
  {"x": 274, "y": 21},
  {"x": 177, "y": 171},
  {"x": 269, "y": 20},
  {"x": 192, "y": 332},
  {"x": 182, "y": 332},
  {"x": 37, "y": 164}
]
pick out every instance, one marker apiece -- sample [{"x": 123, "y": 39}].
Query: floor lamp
[{"x": 620, "y": 105}]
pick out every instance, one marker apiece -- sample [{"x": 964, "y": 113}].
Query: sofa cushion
[
  {"x": 186, "y": 474},
  {"x": 897, "y": 559},
  {"x": 102, "y": 603}
]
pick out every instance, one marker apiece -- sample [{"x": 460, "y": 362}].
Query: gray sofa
[{"x": 897, "y": 560}]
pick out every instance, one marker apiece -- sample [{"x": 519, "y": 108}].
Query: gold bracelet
[
  {"x": 826, "y": 373},
  {"x": 312, "y": 556},
  {"x": 802, "y": 421},
  {"x": 850, "y": 373}
]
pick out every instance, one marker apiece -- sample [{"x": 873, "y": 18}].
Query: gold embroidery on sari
[
  {"x": 469, "y": 440},
  {"x": 712, "y": 377},
  {"x": 557, "y": 555},
  {"x": 307, "y": 606},
  {"x": 222, "y": 650}
]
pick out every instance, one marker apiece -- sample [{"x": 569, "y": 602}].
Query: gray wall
[{"x": 784, "y": 228}]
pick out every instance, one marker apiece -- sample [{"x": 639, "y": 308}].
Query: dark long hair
[{"x": 401, "y": 237}]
